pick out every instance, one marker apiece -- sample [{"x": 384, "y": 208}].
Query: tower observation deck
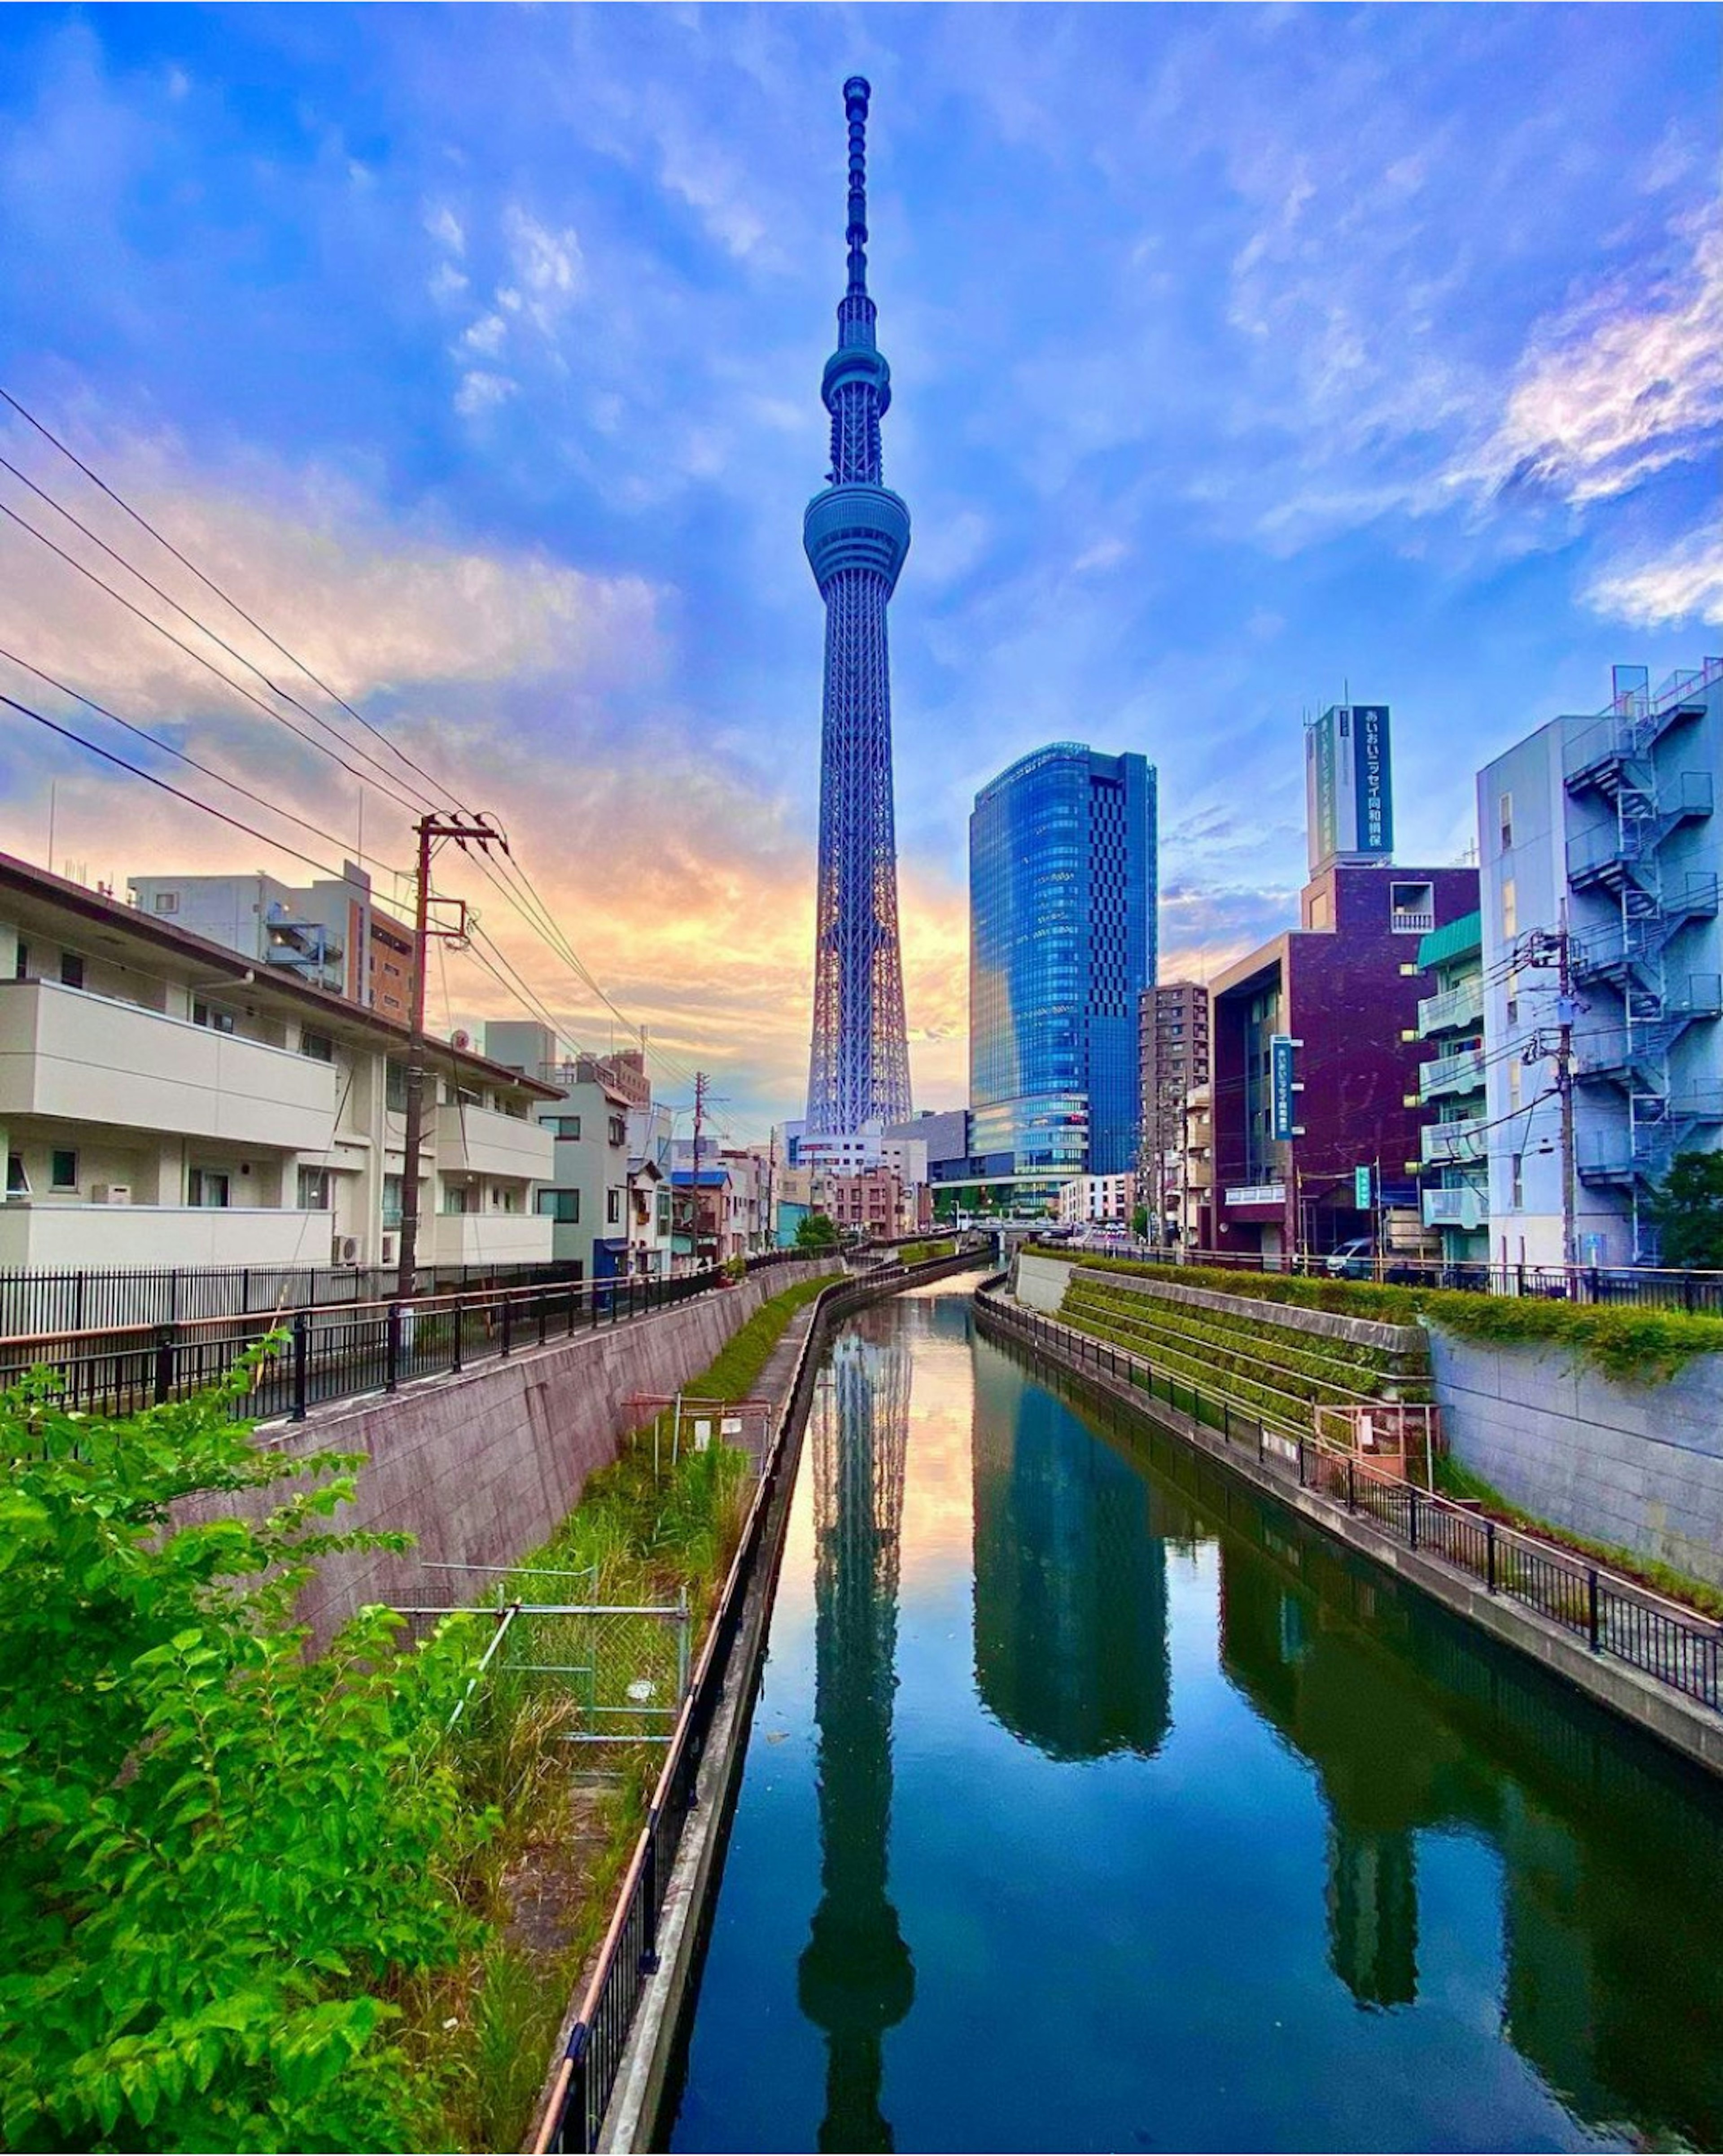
[{"x": 856, "y": 534}]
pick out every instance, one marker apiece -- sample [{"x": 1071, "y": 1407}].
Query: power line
[
  {"x": 167, "y": 748},
  {"x": 209, "y": 582},
  {"x": 526, "y": 901},
  {"x": 179, "y": 643},
  {"x": 150, "y": 777}
]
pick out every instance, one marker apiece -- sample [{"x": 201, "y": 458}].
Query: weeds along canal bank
[
  {"x": 269, "y": 1890},
  {"x": 1655, "y": 1662}
]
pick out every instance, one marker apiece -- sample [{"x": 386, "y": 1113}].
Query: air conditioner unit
[
  {"x": 388, "y": 1250},
  {"x": 346, "y": 1251},
  {"x": 111, "y": 1193}
]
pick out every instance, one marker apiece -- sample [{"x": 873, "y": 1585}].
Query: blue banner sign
[
  {"x": 1373, "y": 800},
  {"x": 1280, "y": 1076}
]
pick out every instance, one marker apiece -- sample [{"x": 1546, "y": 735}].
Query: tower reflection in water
[
  {"x": 856, "y": 1979},
  {"x": 1071, "y": 1611}
]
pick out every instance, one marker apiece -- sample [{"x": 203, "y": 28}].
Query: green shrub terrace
[{"x": 1275, "y": 1372}]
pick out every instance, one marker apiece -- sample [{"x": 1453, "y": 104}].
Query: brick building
[{"x": 1344, "y": 985}]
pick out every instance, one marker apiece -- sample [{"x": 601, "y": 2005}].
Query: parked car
[{"x": 1352, "y": 1260}]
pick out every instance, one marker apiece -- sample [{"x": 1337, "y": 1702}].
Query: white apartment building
[
  {"x": 166, "y": 1101},
  {"x": 1091, "y": 1197},
  {"x": 1602, "y": 828},
  {"x": 332, "y": 933}
]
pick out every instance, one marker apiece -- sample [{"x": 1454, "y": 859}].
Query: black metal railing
[
  {"x": 1612, "y": 1614},
  {"x": 84, "y": 1299},
  {"x": 334, "y": 1350},
  {"x": 586, "y": 2074},
  {"x": 1645, "y": 1286}
]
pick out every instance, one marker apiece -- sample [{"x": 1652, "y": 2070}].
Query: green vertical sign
[{"x": 1360, "y": 1188}]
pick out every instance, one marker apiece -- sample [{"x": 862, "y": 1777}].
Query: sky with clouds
[{"x": 1239, "y": 354}]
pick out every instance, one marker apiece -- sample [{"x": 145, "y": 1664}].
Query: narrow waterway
[{"x": 1092, "y": 1803}]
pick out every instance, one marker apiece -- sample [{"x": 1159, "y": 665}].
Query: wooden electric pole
[{"x": 431, "y": 830}]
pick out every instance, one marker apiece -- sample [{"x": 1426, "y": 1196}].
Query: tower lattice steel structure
[{"x": 856, "y": 534}]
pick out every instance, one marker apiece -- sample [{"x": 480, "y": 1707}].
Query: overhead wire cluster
[{"x": 397, "y": 776}]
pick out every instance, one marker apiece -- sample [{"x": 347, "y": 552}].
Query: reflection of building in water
[
  {"x": 1612, "y": 1855},
  {"x": 1373, "y": 1914},
  {"x": 1071, "y": 1649},
  {"x": 856, "y": 1978}
]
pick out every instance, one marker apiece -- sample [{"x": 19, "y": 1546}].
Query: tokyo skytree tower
[{"x": 856, "y": 534}]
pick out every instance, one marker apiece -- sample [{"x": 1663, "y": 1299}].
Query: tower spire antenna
[
  {"x": 856, "y": 534},
  {"x": 857, "y": 92}
]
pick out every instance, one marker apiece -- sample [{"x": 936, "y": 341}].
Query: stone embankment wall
[
  {"x": 1637, "y": 1465},
  {"x": 481, "y": 1466}
]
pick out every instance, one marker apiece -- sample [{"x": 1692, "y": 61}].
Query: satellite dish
[{"x": 460, "y": 1039}]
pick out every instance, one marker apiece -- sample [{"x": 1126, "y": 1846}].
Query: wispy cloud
[
  {"x": 1616, "y": 388},
  {"x": 1682, "y": 585}
]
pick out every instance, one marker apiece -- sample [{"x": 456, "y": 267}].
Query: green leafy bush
[{"x": 225, "y": 1857}]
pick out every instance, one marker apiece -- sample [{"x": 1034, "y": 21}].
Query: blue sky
[{"x": 1239, "y": 354}]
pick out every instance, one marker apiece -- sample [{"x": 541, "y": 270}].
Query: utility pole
[
  {"x": 431, "y": 830},
  {"x": 1564, "y": 1084},
  {"x": 700, "y": 1082},
  {"x": 1542, "y": 949}
]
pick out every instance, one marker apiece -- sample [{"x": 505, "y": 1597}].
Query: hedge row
[{"x": 1631, "y": 1345}]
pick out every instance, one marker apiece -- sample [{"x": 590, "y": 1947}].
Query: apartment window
[
  {"x": 71, "y": 970},
  {"x": 1412, "y": 908},
  {"x": 207, "y": 1186},
  {"x": 393, "y": 1190},
  {"x": 1510, "y": 909},
  {"x": 1504, "y": 819},
  {"x": 1513, "y": 1002},
  {"x": 564, "y": 1127},
  {"x": 63, "y": 1171},
  {"x": 619, "y": 1130},
  {"x": 560, "y": 1205},
  {"x": 505, "y": 1197},
  {"x": 318, "y": 1046},
  {"x": 461, "y": 1198},
  {"x": 210, "y": 1015},
  {"x": 1514, "y": 1070},
  {"x": 20, "y": 968},
  {"x": 394, "y": 1088},
  {"x": 314, "y": 1189},
  {"x": 166, "y": 902},
  {"x": 1516, "y": 1183},
  {"x": 17, "y": 1184},
  {"x": 664, "y": 1213}
]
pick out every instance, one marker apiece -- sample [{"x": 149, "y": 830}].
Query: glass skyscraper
[{"x": 1061, "y": 942}]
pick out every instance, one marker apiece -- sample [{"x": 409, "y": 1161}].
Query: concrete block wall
[
  {"x": 1640, "y": 1465},
  {"x": 481, "y": 1466}
]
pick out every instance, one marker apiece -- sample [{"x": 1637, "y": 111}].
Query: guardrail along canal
[{"x": 1093, "y": 1803}]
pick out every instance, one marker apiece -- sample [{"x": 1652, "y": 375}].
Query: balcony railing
[
  {"x": 1455, "y": 1144},
  {"x": 1453, "y": 1008},
  {"x": 1256, "y": 1194},
  {"x": 1462, "y": 1072},
  {"x": 1465, "y": 1207}
]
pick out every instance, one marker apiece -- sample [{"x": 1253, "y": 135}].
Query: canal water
[{"x": 1092, "y": 1803}]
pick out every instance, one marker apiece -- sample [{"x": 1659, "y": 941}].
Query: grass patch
[
  {"x": 922, "y": 1254},
  {"x": 646, "y": 1532},
  {"x": 1453, "y": 1479},
  {"x": 1630, "y": 1345}
]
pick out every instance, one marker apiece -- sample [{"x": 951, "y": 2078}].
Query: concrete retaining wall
[
  {"x": 482, "y": 1465},
  {"x": 1639, "y": 1466}
]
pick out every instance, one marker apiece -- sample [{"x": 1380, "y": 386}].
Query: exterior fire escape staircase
[{"x": 1621, "y": 856}]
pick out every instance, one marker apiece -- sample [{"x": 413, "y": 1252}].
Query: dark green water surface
[{"x": 1090, "y": 1803}]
